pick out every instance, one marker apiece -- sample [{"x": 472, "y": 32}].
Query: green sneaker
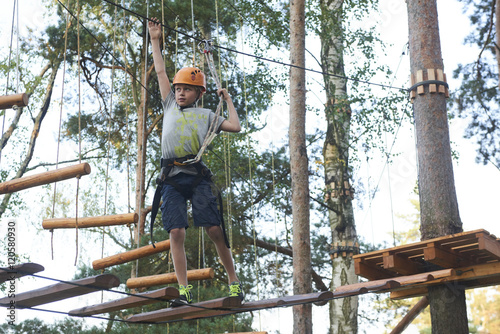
[
  {"x": 185, "y": 296},
  {"x": 235, "y": 290}
]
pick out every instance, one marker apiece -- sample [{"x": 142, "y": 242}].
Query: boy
[{"x": 184, "y": 129}]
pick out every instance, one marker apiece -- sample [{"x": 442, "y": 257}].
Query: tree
[{"x": 438, "y": 201}]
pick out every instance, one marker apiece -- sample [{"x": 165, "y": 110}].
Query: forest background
[{"x": 376, "y": 220}]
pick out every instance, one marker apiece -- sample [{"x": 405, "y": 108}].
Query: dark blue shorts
[{"x": 203, "y": 202}]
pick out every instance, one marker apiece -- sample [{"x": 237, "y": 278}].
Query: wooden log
[
  {"x": 20, "y": 270},
  {"x": 169, "y": 278},
  {"x": 184, "y": 312},
  {"x": 127, "y": 302},
  {"x": 8, "y": 101},
  {"x": 411, "y": 315},
  {"x": 44, "y": 178},
  {"x": 84, "y": 222},
  {"x": 131, "y": 255},
  {"x": 61, "y": 291}
]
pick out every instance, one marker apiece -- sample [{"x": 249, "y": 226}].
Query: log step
[
  {"x": 169, "y": 278},
  {"x": 127, "y": 302},
  {"x": 44, "y": 178},
  {"x": 8, "y": 101},
  {"x": 20, "y": 270},
  {"x": 85, "y": 222},
  {"x": 131, "y": 255},
  {"x": 62, "y": 291}
]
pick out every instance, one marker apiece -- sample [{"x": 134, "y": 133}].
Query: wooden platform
[{"x": 474, "y": 256}]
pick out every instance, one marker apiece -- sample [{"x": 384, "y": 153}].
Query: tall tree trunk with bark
[
  {"x": 343, "y": 312},
  {"x": 302, "y": 314},
  {"x": 439, "y": 214}
]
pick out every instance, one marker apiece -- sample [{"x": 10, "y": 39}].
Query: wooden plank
[
  {"x": 370, "y": 272},
  {"x": 8, "y": 101},
  {"x": 20, "y": 270},
  {"x": 400, "y": 264},
  {"x": 44, "y": 178},
  {"x": 440, "y": 77},
  {"x": 420, "y": 78},
  {"x": 61, "y": 291},
  {"x": 127, "y": 302},
  {"x": 411, "y": 315},
  {"x": 182, "y": 312},
  {"x": 169, "y": 278},
  {"x": 317, "y": 298},
  {"x": 445, "y": 258},
  {"x": 86, "y": 222},
  {"x": 131, "y": 255},
  {"x": 489, "y": 245},
  {"x": 431, "y": 76}
]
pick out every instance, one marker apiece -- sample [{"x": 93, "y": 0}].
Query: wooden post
[
  {"x": 44, "y": 178},
  {"x": 169, "y": 278},
  {"x": 8, "y": 101},
  {"x": 110, "y": 220},
  {"x": 131, "y": 255}
]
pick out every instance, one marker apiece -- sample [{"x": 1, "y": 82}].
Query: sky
[{"x": 476, "y": 184}]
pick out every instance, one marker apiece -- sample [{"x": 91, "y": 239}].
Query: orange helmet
[{"x": 191, "y": 76}]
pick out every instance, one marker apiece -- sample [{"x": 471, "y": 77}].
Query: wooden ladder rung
[
  {"x": 184, "y": 312},
  {"x": 169, "y": 278},
  {"x": 8, "y": 101},
  {"x": 167, "y": 293},
  {"x": 20, "y": 270},
  {"x": 44, "y": 178},
  {"x": 86, "y": 222},
  {"x": 61, "y": 291},
  {"x": 131, "y": 255}
]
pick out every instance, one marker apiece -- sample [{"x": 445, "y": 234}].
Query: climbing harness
[{"x": 202, "y": 173}]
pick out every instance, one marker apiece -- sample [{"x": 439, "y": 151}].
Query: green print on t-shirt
[{"x": 188, "y": 127}]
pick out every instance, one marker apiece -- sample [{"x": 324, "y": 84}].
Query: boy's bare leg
[
  {"x": 177, "y": 237},
  {"x": 215, "y": 233}
]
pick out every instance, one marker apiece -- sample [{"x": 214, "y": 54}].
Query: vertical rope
[
  {"x": 79, "y": 126},
  {"x": 192, "y": 27},
  {"x": 60, "y": 126},
  {"x": 127, "y": 107}
]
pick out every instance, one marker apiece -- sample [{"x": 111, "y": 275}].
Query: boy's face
[{"x": 186, "y": 95}]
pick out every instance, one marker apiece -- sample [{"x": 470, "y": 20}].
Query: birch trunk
[{"x": 343, "y": 312}]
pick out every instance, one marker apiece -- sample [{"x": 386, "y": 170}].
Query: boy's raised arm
[
  {"x": 232, "y": 123},
  {"x": 155, "y": 35}
]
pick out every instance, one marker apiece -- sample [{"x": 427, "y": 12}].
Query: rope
[
  {"x": 79, "y": 127},
  {"x": 192, "y": 31},
  {"x": 60, "y": 126}
]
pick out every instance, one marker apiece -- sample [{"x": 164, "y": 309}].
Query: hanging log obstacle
[
  {"x": 169, "y": 278},
  {"x": 110, "y": 220},
  {"x": 20, "y": 270},
  {"x": 61, "y": 291},
  {"x": 131, "y": 255},
  {"x": 168, "y": 293},
  {"x": 44, "y": 178},
  {"x": 19, "y": 100}
]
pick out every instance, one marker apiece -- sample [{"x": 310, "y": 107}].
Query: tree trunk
[
  {"x": 497, "y": 36},
  {"x": 439, "y": 214},
  {"x": 302, "y": 314}
]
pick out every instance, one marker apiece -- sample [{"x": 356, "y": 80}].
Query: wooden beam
[
  {"x": 61, "y": 291},
  {"x": 185, "y": 312},
  {"x": 20, "y": 270},
  {"x": 127, "y": 302},
  {"x": 169, "y": 278},
  {"x": 44, "y": 178},
  {"x": 85, "y": 222},
  {"x": 131, "y": 255},
  {"x": 369, "y": 271},
  {"x": 443, "y": 257},
  {"x": 8, "y": 101},
  {"x": 400, "y": 264},
  {"x": 488, "y": 244},
  {"x": 411, "y": 315}
]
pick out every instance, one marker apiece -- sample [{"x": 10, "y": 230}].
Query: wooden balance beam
[
  {"x": 84, "y": 222},
  {"x": 168, "y": 293},
  {"x": 8, "y": 101},
  {"x": 131, "y": 255},
  {"x": 20, "y": 270},
  {"x": 44, "y": 178},
  {"x": 62, "y": 291},
  {"x": 169, "y": 278}
]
